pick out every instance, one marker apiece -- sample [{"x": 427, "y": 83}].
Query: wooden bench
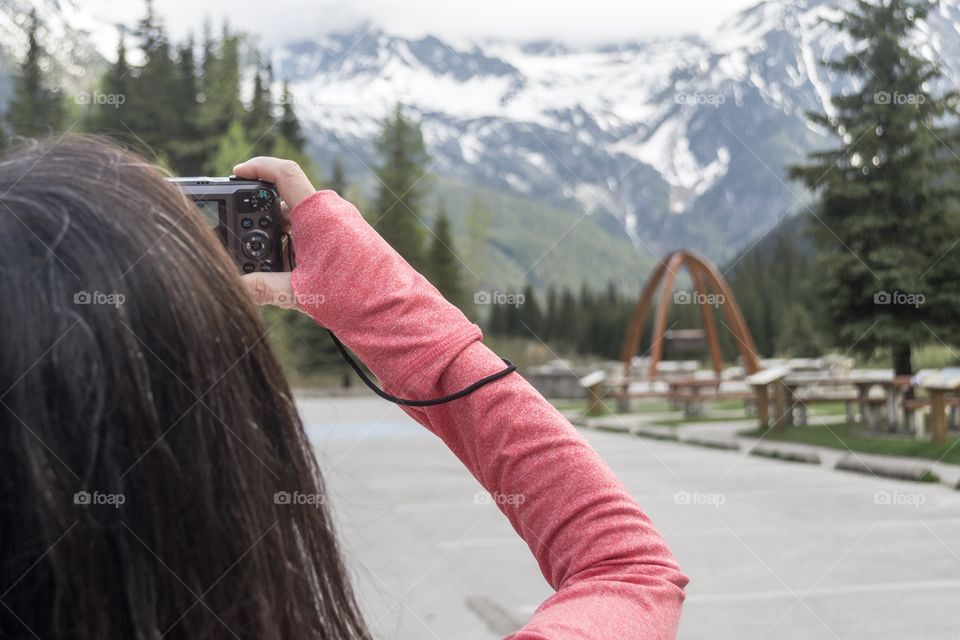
[
  {"x": 808, "y": 397},
  {"x": 765, "y": 384},
  {"x": 938, "y": 385},
  {"x": 594, "y": 385},
  {"x": 915, "y": 408}
]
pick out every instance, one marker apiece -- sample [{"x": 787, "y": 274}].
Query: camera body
[{"x": 246, "y": 216}]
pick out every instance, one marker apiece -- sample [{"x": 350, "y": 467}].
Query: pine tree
[
  {"x": 403, "y": 162},
  {"x": 259, "y": 119},
  {"x": 530, "y": 318},
  {"x": 567, "y": 326},
  {"x": 293, "y": 148},
  {"x": 35, "y": 109},
  {"x": 338, "y": 182},
  {"x": 233, "y": 147},
  {"x": 189, "y": 148},
  {"x": 478, "y": 225},
  {"x": 289, "y": 123},
  {"x": 889, "y": 206},
  {"x": 798, "y": 339},
  {"x": 150, "y": 115},
  {"x": 108, "y": 118},
  {"x": 220, "y": 106},
  {"x": 584, "y": 310},
  {"x": 551, "y": 320},
  {"x": 443, "y": 265}
]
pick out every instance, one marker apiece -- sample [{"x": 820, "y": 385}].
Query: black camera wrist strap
[{"x": 510, "y": 368}]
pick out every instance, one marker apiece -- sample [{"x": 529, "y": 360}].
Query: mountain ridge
[
  {"x": 678, "y": 141},
  {"x": 682, "y": 139}
]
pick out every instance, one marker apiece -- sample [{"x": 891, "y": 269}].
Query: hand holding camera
[
  {"x": 294, "y": 187},
  {"x": 250, "y": 212}
]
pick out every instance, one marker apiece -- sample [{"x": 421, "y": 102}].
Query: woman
[{"x": 146, "y": 425}]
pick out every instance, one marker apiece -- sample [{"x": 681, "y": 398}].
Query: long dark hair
[{"x": 155, "y": 478}]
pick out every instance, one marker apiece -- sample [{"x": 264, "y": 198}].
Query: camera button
[
  {"x": 248, "y": 267},
  {"x": 266, "y": 265},
  {"x": 246, "y": 223},
  {"x": 264, "y": 222}
]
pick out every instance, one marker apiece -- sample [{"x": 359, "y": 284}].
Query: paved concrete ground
[{"x": 774, "y": 549}]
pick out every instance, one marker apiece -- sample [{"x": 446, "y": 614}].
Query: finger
[
  {"x": 285, "y": 213},
  {"x": 291, "y": 181},
  {"x": 268, "y": 288},
  {"x": 286, "y": 250}
]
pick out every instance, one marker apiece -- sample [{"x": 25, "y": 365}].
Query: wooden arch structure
[{"x": 706, "y": 279}]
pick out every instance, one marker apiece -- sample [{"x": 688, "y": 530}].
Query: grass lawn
[
  {"x": 828, "y": 408},
  {"x": 673, "y": 422},
  {"x": 854, "y": 438},
  {"x": 727, "y": 404},
  {"x": 654, "y": 406}
]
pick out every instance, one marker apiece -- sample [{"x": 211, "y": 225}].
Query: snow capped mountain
[
  {"x": 679, "y": 142},
  {"x": 682, "y": 140}
]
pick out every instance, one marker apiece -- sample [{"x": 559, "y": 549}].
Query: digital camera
[{"x": 245, "y": 214}]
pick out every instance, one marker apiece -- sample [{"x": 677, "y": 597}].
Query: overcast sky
[{"x": 573, "y": 22}]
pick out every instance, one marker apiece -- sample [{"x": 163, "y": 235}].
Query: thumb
[{"x": 270, "y": 288}]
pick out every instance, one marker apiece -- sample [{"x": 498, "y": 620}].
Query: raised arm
[{"x": 613, "y": 573}]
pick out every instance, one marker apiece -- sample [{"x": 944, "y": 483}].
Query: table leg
[
  {"x": 891, "y": 409},
  {"x": 763, "y": 406},
  {"x": 938, "y": 416},
  {"x": 779, "y": 405}
]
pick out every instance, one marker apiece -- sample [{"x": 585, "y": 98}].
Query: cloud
[{"x": 577, "y": 23}]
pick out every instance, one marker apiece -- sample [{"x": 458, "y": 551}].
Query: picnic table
[
  {"x": 861, "y": 381},
  {"x": 594, "y": 384},
  {"x": 938, "y": 384},
  {"x": 791, "y": 392},
  {"x": 761, "y": 383},
  {"x": 687, "y": 390}
]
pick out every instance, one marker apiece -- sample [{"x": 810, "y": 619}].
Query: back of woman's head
[{"x": 148, "y": 439}]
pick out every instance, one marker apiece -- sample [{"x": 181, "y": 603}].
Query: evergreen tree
[
  {"x": 550, "y": 314},
  {"x": 283, "y": 148},
  {"x": 443, "y": 265},
  {"x": 259, "y": 118},
  {"x": 289, "y": 123},
  {"x": 310, "y": 348},
  {"x": 221, "y": 105},
  {"x": 108, "y": 118},
  {"x": 233, "y": 147},
  {"x": 35, "y": 109},
  {"x": 496, "y": 323},
  {"x": 798, "y": 339},
  {"x": 189, "y": 148},
  {"x": 584, "y": 309},
  {"x": 769, "y": 278},
  {"x": 889, "y": 207},
  {"x": 567, "y": 326},
  {"x": 403, "y": 162},
  {"x": 151, "y": 110},
  {"x": 478, "y": 225},
  {"x": 530, "y": 317},
  {"x": 338, "y": 181}
]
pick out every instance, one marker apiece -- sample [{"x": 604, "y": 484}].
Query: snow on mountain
[
  {"x": 679, "y": 142},
  {"x": 683, "y": 140}
]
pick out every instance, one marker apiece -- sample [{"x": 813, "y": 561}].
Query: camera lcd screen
[{"x": 212, "y": 211}]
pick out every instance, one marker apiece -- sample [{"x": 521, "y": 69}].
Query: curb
[
  {"x": 730, "y": 445},
  {"x": 803, "y": 457},
  {"x": 655, "y": 435},
  {"x": 912, "y": 473}
]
